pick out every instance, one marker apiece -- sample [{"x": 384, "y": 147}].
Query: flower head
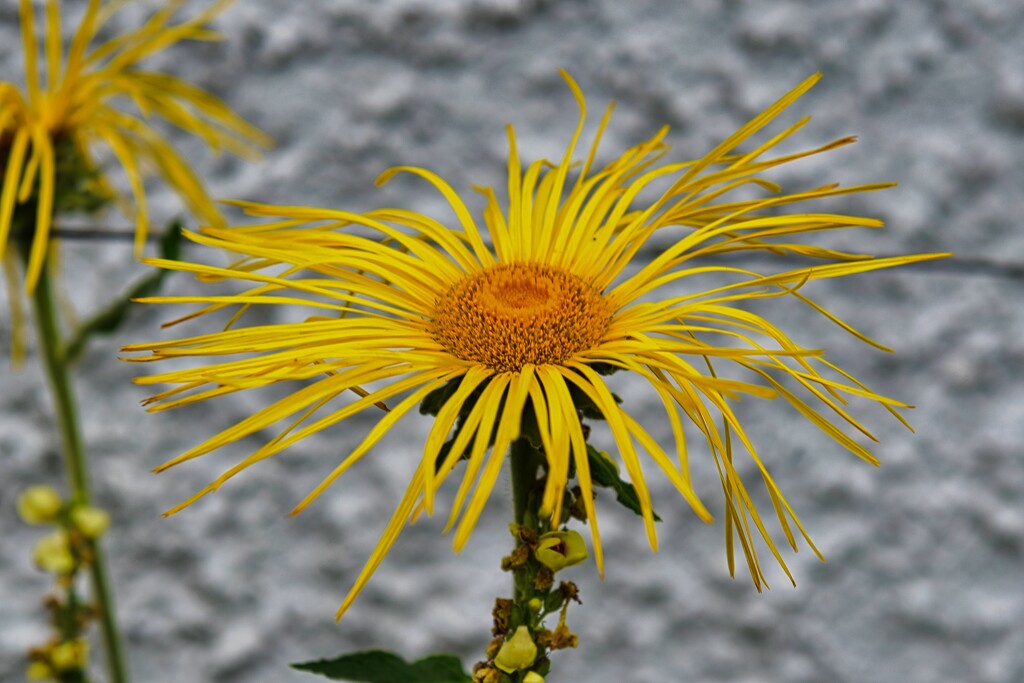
[
  {"x": 527, "y": 316},
  {"x": 79, "y": 104}
]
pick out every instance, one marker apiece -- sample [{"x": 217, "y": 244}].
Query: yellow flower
[
  {"x": 70, "y": 655},
  {"x": 562, "y": 291},
  {"x": 38, "y": 671},
  {"x": 557, "y": 550},
  {"x": 518, "y": 652},
  {"x": 76, "y": 106}
]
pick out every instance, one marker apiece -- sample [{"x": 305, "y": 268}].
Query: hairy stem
[{"x": 525, "y": 460}]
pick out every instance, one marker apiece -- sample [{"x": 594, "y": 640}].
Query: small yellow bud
[
  {"x": 39, "y": 504},
  {"x": 533, "y": 677},
  {"x": 560, "y": 549},
  {"x": 518, "y": 652},
  {"x": 38, "y": 671},
  {"x": 92, "y": 522},
  {"x": 535, "y": 605},
  {"x": 70, "y": 655},
  {"x": 53, "y": 553}
]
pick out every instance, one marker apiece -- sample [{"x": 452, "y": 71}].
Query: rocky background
[{"x": 923, "y": 581}]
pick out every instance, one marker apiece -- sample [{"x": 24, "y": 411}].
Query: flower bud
[
  {"x": 38, "y": 671},
  {"x": 92, "y": 522},
  {"x": 560, "y": 549},
  {"x": 518, "y": 652},
  {"x": 39, "y": 504},
  {"x": 70, "y": 655},
  {"x": 53, "y": 553},
  {"x": 533, "y": 677}
]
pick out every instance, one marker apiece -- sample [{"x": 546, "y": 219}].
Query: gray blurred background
[{"x": 923, "y": 581}]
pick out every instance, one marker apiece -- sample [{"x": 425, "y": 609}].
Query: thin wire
[
  {"x": 963, "y": 266},
  {"x": 96, "y": 232}
]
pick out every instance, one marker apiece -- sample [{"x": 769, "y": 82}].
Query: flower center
[{"x": 513, "y": 314}]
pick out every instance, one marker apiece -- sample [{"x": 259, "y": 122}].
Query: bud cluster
[
  {"x": 519, "y": 651},
  {"x": 66, "y": 550}
]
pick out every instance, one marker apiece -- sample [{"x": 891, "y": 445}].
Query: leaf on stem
[
  {"x": 381, "y": 666},
  {"x": 603, "y": 473}
]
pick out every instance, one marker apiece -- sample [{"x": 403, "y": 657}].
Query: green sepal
[
  {"x": 78, "y": 187},
  {"x": 603, "y": 473},
  {"x": 542, "y": 666},
  {"x": 553, "y": 601},
  {"x": 113, "y": 316},
  {"x": 381, "y": 666},
  {"x": 519, "y": 614}
]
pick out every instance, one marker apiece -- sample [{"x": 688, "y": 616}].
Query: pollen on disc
[{"x": 513, "y": 314}]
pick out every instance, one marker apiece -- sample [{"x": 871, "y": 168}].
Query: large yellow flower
[
  {"x": 531, "y": 318},
  {"x": 77, "y": 107}
]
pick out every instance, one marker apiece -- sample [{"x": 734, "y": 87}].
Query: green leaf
[
  {"x": 380, "y": 666},
  {"x": 529, "y": 429},
  {"x": 604, "y": 368},
  {"x": 587, "y": 408},
  {"x": 113, "y": 316},
  {"x": 603, "y": 473},
  {"x": 435, "y": 400}
]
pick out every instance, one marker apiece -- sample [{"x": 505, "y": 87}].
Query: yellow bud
[
  {"x": 533, "y": 677},
  {"x": 38, "y": 671},
  {"x": 560, "y": 549},
  {"x": 518, "y": 652},
  {"x": 72, "y": 654},
  {"x": 535, "y": 604},
  {"x": 92, "y": 522},
  {"x": 53, "y": 553},
  {"x": 39, "y": 504}
]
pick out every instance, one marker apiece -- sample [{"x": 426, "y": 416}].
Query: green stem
[
  {"x": 525, "y": 459},
  {"x": 74, "y": 461}
]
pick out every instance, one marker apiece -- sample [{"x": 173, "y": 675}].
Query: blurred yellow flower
[
  {"x": 79, "y": 104},
  {"x": 52, "y": 553},
  {"x": 38, "y": 671},
  {"x": 39, "y": 504},
  {"x": 531, "y": 321},
  {"x": 71, "y": 655},
  {"x": 92, "y": 522}
]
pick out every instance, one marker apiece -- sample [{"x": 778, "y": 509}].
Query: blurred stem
[{"x": 49, "y": 339}]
